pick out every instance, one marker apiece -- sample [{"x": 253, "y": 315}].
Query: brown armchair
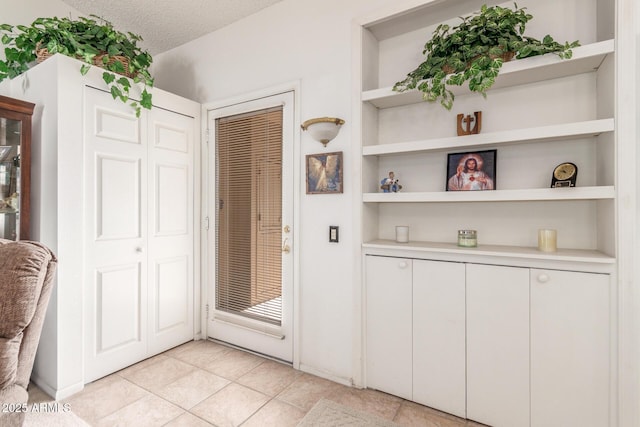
[{"x": 26, "y": 280}]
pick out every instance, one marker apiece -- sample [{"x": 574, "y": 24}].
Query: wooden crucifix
[{"x": 464, "y": 123}]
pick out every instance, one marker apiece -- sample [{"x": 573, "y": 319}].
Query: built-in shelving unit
[{"x": 542, "y": 111}]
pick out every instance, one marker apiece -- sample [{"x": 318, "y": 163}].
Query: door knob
[{"x": 139, "y": 249}]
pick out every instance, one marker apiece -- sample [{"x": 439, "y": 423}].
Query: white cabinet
[
  {"x": 389, "y": 325},
  {"x": 115, "y": 197},
  {"x": 501, "y": 345},
  {"x": 415, "y": 345},
  {"x": 498, "y": 345},
  {"x": 570, "y": 348},
  {"x": 439, "y": 335}
]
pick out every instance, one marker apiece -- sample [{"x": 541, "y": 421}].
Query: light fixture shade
[{"x": 323, "y": 129}]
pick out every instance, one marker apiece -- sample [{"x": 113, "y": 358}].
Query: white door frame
[{"x": 209, "y": 217}]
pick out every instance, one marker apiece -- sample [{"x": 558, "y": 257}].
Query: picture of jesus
[{"x": 467, "y": 171}]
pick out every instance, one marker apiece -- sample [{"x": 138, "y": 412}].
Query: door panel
[
  {"x": 439, "y": 352},
  {"x": 117, "y": 197},
  {"x": 116, "y": 265},
  {"x": 172, "y": 207},
  {"x": 172, "y": 290},
  {"x": 389, "y": 320},
  {"x": 173, "y": 138},
  {"x": 570, "y": 348},
  {"x": 498, "y": 345},
  {"x": 251, "y": 279},
  {"x": 115, "y": 124},
  {"x": 171, "y": 229},
  {"x": 120, "y": 314}
]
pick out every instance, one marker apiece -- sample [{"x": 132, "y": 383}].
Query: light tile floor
[{"x": 203, "y": 383}]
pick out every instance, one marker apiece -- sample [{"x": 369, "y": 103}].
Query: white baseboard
[
  {"x": 326, "y": 375},
  {"x": 53, "y": 392}
]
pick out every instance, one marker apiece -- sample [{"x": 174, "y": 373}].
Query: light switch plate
[{"x": 333, "y": 233}]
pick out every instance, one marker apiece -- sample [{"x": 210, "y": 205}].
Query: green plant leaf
[
  {"x": 146, "y": 100},
  {"x": 124, "y": 82},
  {"x": 108, "y": 77}
]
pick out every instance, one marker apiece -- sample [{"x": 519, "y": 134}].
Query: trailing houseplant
[
  {"x": 474, "y": 52},
  {"x": 93, "y": 41}
]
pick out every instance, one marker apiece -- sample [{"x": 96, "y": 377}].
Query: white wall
[
  {"x": 307, "y": 41},
  {"x": 24, "y": 12},
  {"x": 296, "y": 40}
]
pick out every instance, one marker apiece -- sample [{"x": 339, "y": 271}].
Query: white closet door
[
  {"x": 138, "y": 202},
  {"x": 170, "y": 221},
  {"x": 115, "y": 291}
]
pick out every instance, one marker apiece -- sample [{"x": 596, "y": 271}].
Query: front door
[{"x": 250, "y": 194}]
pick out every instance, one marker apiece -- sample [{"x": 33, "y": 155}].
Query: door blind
[{"x": 249, "y": 214}]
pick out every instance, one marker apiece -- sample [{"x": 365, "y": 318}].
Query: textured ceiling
[{"x": 165, "y": 24}]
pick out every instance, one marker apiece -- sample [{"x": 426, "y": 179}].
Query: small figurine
[
  {"x": 13, "y": 201},
  {"x": 390, "y": 184}
]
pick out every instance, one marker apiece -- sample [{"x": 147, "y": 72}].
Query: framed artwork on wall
[
  {"x": 471, "y": 171},
  {"x": 324, "y": 173}
]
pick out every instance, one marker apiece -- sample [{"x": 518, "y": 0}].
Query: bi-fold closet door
[{"x": 139, "y": 233}]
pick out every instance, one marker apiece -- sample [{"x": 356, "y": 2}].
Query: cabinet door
[
  {"x": 570, "y": 347},
  {"x": 439, "y": 335},
  {"x": 388, "y": 325},
  {"x": 498, "y": 345},
  {"x": 15, "y": 168}
]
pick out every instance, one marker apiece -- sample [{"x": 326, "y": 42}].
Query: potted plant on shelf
[
  {"x": 93, "y": 41},
  {"x": 474, "y": 52}
]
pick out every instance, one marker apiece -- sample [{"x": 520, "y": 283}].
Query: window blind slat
[{"x": 249, "y": 214}]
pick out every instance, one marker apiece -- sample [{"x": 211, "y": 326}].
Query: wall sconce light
[{"x": 323, "y": 129}]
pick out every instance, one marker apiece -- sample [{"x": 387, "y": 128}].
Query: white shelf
[
  {"x": 518, "y": 72},
  {"x": 565, "y": 255},
  {"x": 529, "y": 194},
  {"x": 537, "y": 134}
]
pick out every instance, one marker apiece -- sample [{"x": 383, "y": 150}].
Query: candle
[
  {"x": 547, "y": 240},
  {"x": 402, "y": 234},
  {"x": 467, "y": 238}
]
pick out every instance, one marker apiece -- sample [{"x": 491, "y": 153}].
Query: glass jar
[{"x": 467, "y": 238}]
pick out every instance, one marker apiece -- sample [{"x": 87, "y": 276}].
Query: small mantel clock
[{"x": 564, "y": 175}]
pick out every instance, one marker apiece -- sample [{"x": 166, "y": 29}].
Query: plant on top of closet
[
  {"x": 474, "y": 51},
  {"x": 93, "y": 41}
]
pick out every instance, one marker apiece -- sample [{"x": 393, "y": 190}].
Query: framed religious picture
[
  {"x": 324, "y": 173},
  {"x": 471, "y": 171}
]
